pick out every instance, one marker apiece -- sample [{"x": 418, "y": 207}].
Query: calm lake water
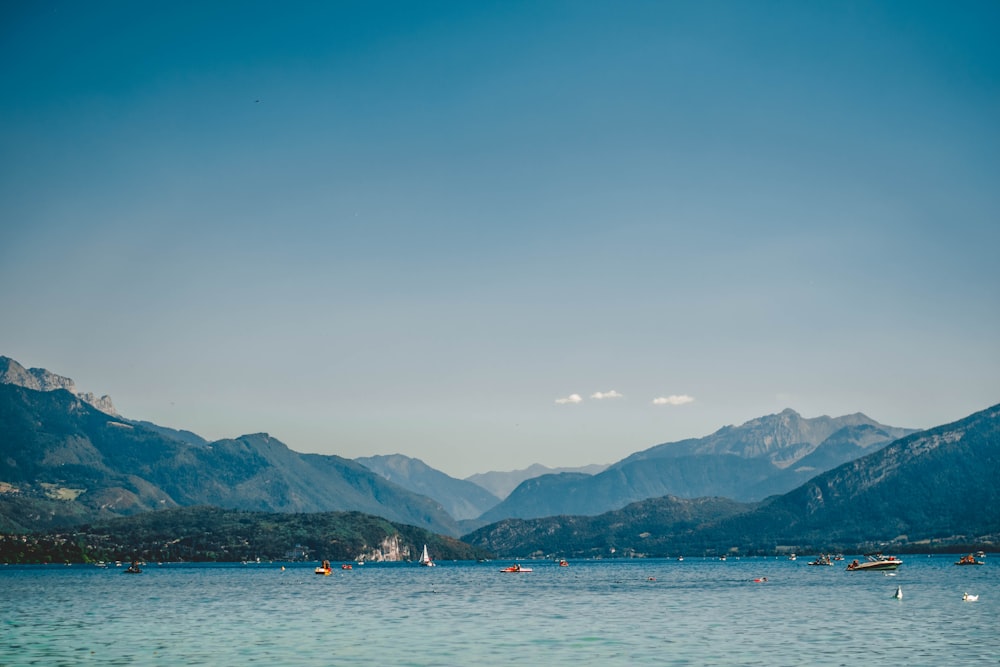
[{"x": 641, "y": 612}]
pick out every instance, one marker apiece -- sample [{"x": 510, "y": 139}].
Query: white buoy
[{"x": 899, "y": 593}]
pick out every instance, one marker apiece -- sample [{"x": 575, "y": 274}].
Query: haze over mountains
[
  {"x": 66, "y": 461},
  {"x": 762, "y": 457},
  {"x": 462, "y": 499},
  {"x": 501, "y": 483}
]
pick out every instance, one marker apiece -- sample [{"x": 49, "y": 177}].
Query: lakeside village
[{"x": 72, "y": 548}]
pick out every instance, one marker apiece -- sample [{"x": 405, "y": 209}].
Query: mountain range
[
  {"x": 931, "y": 489},
  {"x": 65, "y": 462},
  {"x": 762, "y": 457}
]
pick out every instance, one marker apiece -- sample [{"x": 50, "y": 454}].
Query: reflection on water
[{"x": 655, "y": 612}]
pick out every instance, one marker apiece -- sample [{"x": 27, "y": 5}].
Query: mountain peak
[
  {"x": 781, "y": 438},
  {"x": 460, "y": 498},
  {"x": 39, "y": 379}
]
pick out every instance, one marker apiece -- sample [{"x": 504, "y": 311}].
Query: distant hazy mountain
[
  {"x": 782, "y": 439},
  {"x": 500, "y": 484},
  {"x": 64, "y": 462},
  {"x": 460, "y": 498},
  {"x": 930, "y": 489},
  {"x": 40, "y": 379},
  {"x": 764, "y": 456}
]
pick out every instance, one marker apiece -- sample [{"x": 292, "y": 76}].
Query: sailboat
[{"x": 425, "y": 559}]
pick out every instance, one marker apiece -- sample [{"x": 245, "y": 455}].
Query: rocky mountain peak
[
  {"x": 781, "y": 438},
  {"x": 39, "y": 379}
]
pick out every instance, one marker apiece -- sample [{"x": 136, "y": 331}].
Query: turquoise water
[{"x": 642, "y": 612}]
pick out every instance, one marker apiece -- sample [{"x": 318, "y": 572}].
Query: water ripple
[{"x": 612, "y": 613}]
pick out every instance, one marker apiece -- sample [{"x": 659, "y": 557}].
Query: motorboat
[
  {"x": 969, "y": 560},
  {"x": 822, "y": 559},
  {"x": 324, "y": 569},
  {"x": 516, "y": 568},
  {"x": 876, "y": 562}
]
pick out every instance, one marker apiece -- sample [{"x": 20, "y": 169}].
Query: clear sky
[{"x": 490, "y": 234}]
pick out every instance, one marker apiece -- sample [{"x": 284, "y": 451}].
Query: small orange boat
[
  {"x": 969, "y": 560},
  {"x": 516, "y": 568}
]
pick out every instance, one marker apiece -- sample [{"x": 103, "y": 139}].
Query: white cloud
[
  {"x": 606, "y": 394},
  {"x": 572, "y": 398},
  {"x": 673, "y": 400}
]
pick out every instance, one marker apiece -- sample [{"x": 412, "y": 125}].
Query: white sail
[{"x": 425, "y": 559}]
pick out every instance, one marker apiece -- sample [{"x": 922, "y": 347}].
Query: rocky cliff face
[
  {"x": 390, "y": 550},
  {"x": 40, "y": 379}
]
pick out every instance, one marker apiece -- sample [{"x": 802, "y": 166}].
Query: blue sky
[{"x": 421, "y": 227}]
